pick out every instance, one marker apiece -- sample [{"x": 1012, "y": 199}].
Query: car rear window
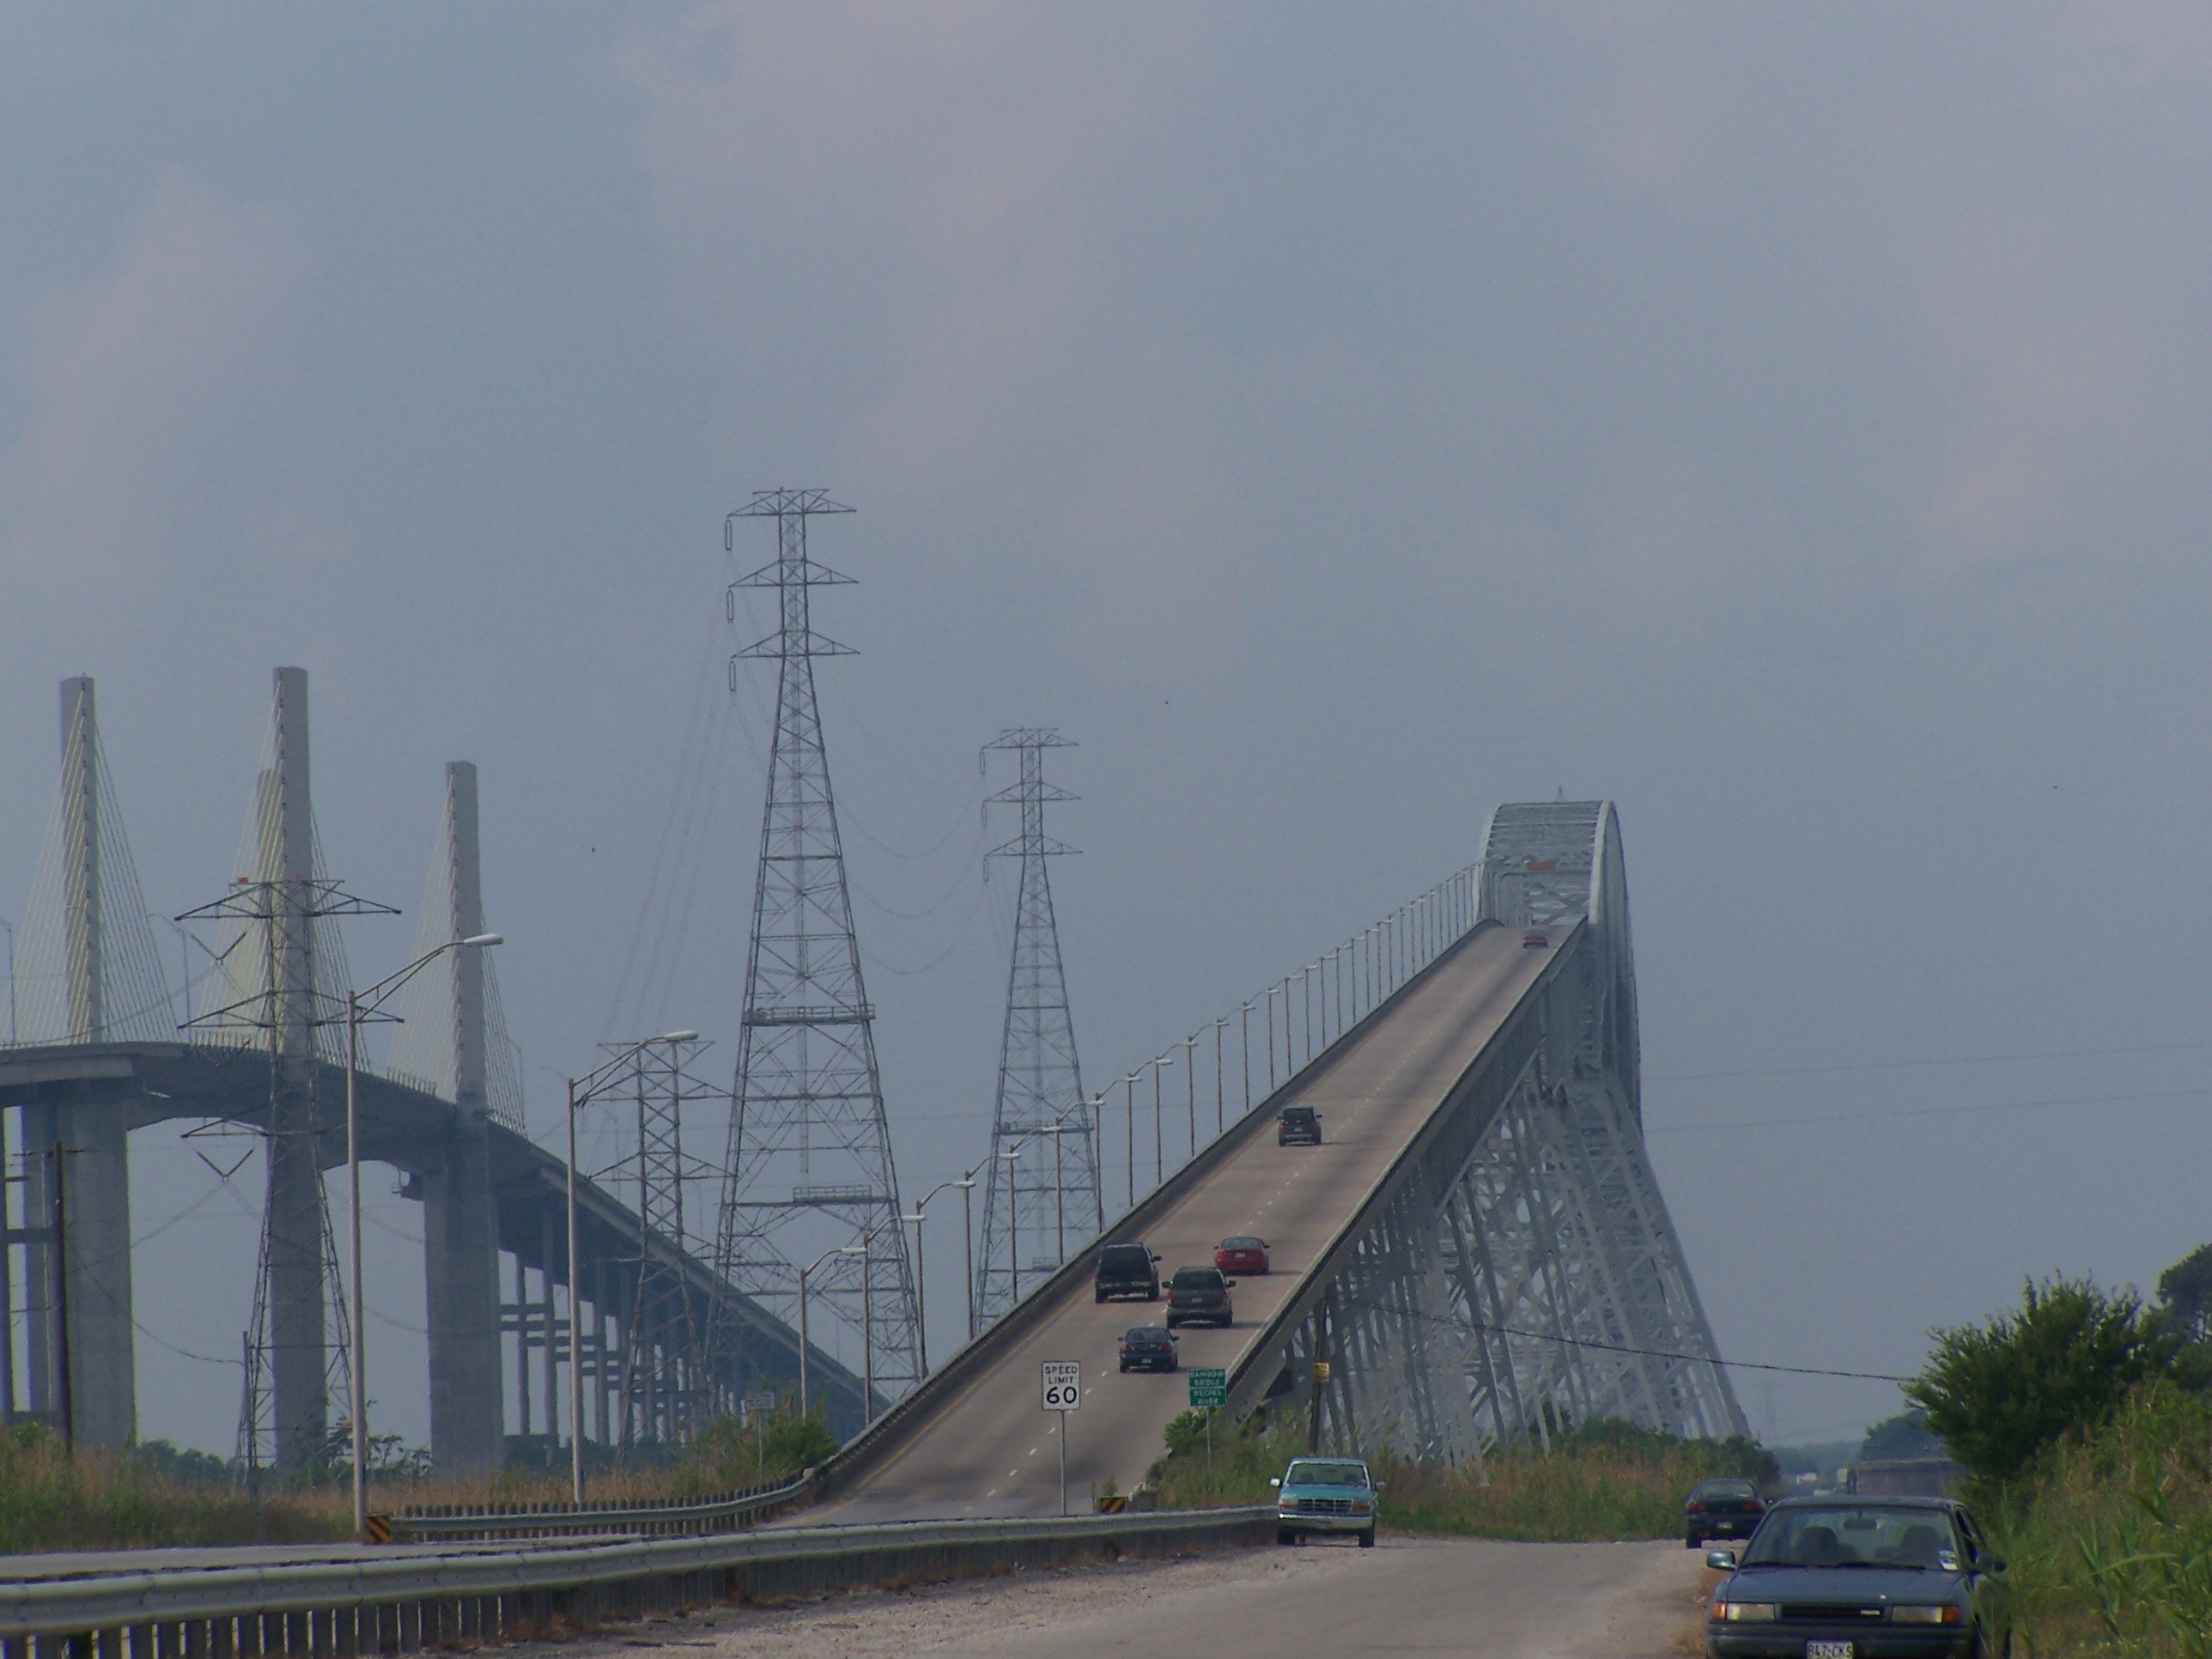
[
  {"x": 1197, "y": 1279},
  {"x": 1126, "y": 1258},
  {"x": 1296, "y": 1114},
  {"x": 1240, "y": 1243},
  {"x": 1146, "y": 1334},
  {"x": 1725, "y": 1489}
]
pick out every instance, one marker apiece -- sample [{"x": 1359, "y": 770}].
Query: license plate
[{"x": 1827, "y": 1650}]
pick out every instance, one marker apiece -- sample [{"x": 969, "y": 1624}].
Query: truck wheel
[
  {"x": 1367, "y": 1538},
  {"x": 1284, "y": 1535},
  {"x": 1692, "y": 1540},
  {"x": 1102, "y": 1295}
]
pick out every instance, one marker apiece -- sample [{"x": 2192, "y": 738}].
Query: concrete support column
[
  {"x": 294, "y": 1219},
  {"x": 460, "y": 1217},
  {"x": 96, "y": 1165}
]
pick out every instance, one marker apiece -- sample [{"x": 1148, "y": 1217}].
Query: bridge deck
[{"x": 988, "y": 1448}]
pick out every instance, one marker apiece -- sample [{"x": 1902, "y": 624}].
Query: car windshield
[
  {"x": 1326, "y": 1472},
  {"x": 1146, "y": 1334},
  {"x": 1240, "y": 1243},
  {"x": 1852, "y": 1536},
  {"x": 1725, "y": 1489},
  {"x": 1197, "y": 1279}
]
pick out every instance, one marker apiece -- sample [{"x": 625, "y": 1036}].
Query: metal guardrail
[
  {"x": 643, "y": 1519},
  {"x": 392, "y": 1603}
]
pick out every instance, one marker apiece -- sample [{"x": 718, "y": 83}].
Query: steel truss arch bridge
[{"x": 1476, "y": 1256}]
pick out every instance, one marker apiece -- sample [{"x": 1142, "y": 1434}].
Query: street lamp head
[
  {"x": 679, "y": 1036},
  {"x": 851, "y": 1249},
  {"x": 968, "y": 1185},
  {"x": 479, "y": 941}
]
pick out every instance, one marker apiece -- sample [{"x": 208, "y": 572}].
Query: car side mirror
[
  {"x": 1230, "y": 1283},
  {"x": 1274, "y": 1480},
  {"x": 1721, "y": 1560},
  {"x": 1996, "y": 1563}
]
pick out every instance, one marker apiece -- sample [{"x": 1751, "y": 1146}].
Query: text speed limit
[{"x": 1063, "y": 1385}]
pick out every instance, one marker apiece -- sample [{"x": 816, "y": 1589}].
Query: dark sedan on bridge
[
  {"x": 1148, "y": 1348},
  {"x": 1861, "y": 1578}
]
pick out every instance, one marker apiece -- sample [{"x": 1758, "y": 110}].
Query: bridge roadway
[{"x": 986, "y": 1448}]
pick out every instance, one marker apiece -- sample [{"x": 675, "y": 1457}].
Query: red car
[
  {"x": 1241, "y": 1254},
  {"x": 1532, "y": 940}
]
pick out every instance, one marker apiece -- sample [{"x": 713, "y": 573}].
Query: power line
[
  {"x": 1905, "y": 1065},
  {"x": 1617, "y": 1347},
  {"x": 1934, "y": 1111}
]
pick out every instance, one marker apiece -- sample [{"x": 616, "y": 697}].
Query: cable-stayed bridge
[
  {"x": 1477, "y": 1254},
  {"x": 102, "y": 1047}
]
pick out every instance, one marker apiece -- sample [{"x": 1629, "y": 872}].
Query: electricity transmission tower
[
  {"x": 809, "y": 1170},
  {"x": 662, "y": 1385},
  {"x": 1045, "y": 1197}
]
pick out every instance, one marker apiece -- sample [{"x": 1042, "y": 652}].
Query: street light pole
[
  {"x": 359, "y": 1006},
  {"x": 967, "y": 1186},
  {"x": 805, "y": 1273},
  {"x": 580, "y": 1091}
]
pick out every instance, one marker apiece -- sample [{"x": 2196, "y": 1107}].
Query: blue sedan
[{"x": 1861, "y": 1578}]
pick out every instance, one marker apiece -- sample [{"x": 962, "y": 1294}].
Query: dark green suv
[{"x": 1200, "y": 1296}]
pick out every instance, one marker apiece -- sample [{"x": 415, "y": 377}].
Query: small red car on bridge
[{"x": 1241, "y": 1253}]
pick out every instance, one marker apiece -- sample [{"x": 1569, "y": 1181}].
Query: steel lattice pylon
[
  {"x": 809, "y": 1169},
  {"x": 1045, "y": 1196},
  {"x": 662, "y": 1375}
]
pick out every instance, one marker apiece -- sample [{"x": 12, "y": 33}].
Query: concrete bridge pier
[
  {"x": 94, "y": 1159},
  {"x": 460, "y": 1217},
  {"x": 293, "y": 1223}
]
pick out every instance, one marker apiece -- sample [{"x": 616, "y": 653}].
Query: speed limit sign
[{"x": 1063, "y": 1385}]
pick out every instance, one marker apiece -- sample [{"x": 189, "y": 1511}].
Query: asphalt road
[
  {"x": 992, "y": 1450},
  {"x": 1468, "y": 1596}
]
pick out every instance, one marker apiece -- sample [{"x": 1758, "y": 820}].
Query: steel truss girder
[{"x": 1518, "y": 1273}]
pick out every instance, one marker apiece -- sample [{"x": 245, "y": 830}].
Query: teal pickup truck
[{"x": 1325, "y": 1494}]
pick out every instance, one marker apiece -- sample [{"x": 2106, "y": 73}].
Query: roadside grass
[
  {"x": 154, "y": 1495},
  {"x": 2109, "y": 1537},
  {"x": 1604, "y": 1481},
  {"x": 96, "y": 1500}
]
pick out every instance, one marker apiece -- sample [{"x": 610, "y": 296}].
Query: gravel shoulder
[{"x": 1501, "y": 1600}]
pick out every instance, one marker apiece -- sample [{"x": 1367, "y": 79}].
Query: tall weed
[{"x": 1602, "y": 1481}]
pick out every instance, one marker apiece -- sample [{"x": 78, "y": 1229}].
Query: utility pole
[
  {"x": 809, "y": 1151},
  {"x": 1028, "y": 1219}
]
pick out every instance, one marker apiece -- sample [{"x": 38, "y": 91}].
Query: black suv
[
  {"x": 1200, "y": 1296},
  {"x": 1297, "y": 1126},
  {"x": 1129, "y": 1270}
]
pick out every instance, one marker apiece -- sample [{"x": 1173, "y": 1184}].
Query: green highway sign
[{"x": 1208, "y": 1388}]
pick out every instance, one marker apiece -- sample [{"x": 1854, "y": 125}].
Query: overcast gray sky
[{"x": 1787, "y": 421}]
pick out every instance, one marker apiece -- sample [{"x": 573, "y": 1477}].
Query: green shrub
[{"x": 1998, "y": 1394}]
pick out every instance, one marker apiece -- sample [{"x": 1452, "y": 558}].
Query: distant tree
[
  {"x": 2186, "y": 1289},
  {"x": 1904, "y": 1436},
  {"x": 1998, "y": 1394}
]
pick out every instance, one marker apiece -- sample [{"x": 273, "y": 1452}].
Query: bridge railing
[
  {"x": 642, "y": 1518},
  {"x": 1203, "y": 1084}
]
